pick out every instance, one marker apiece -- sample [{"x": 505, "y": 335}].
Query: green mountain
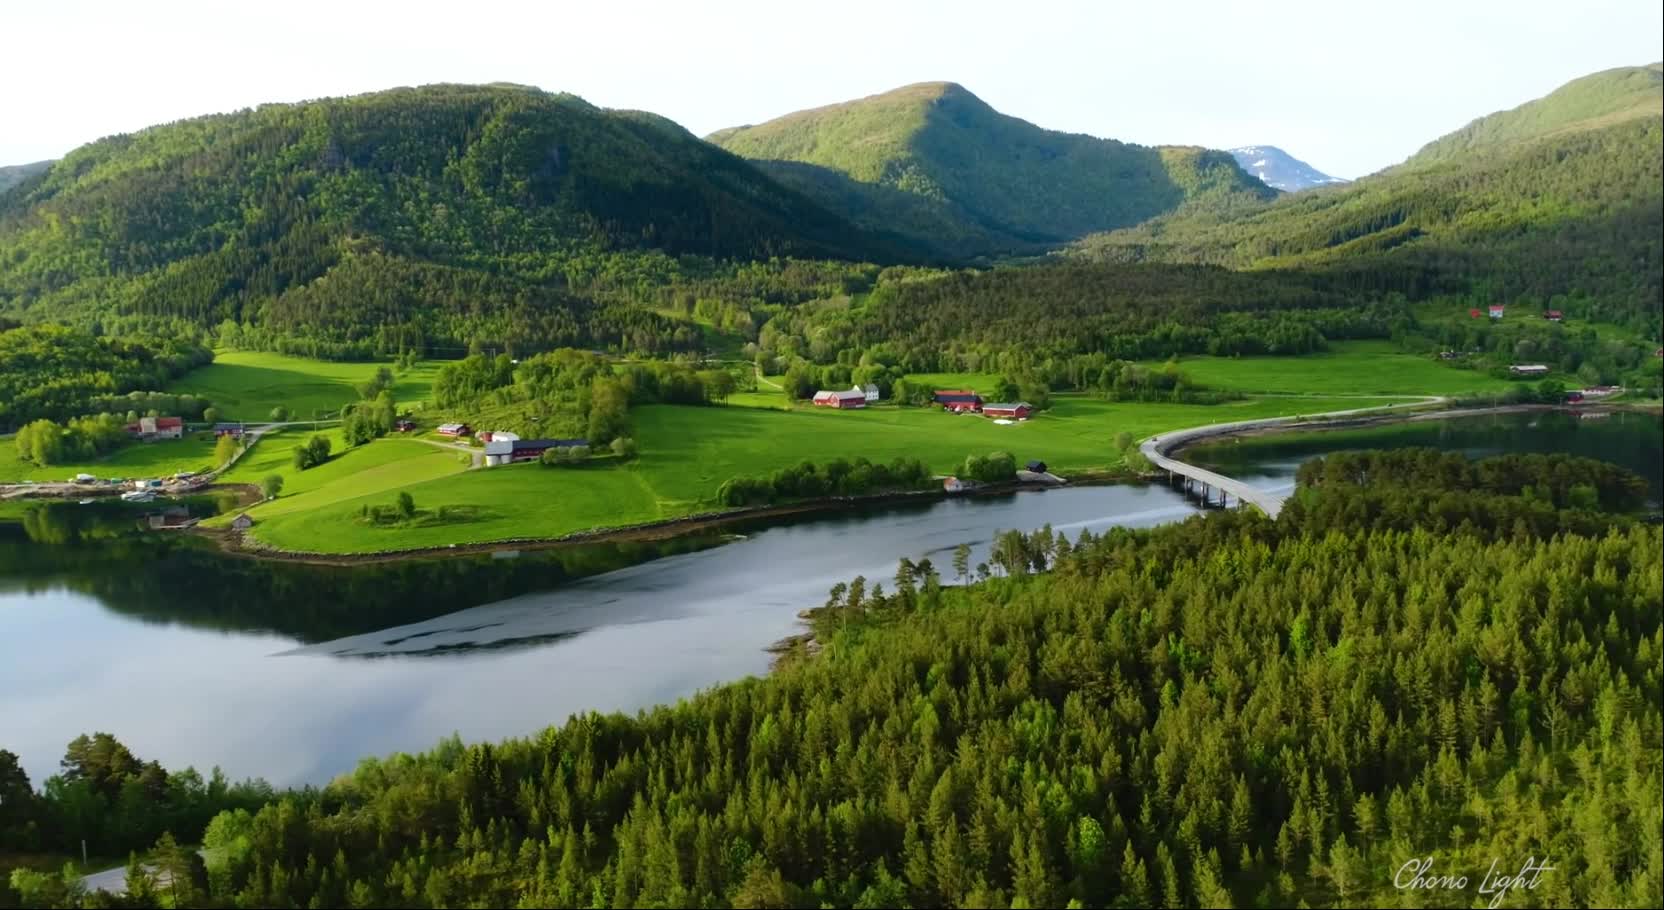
[
  {"x": 13, "y": 174},
  {"x": 446, "y": 206},
  {"x": 1601, "y": 99},
  {"x": 1572, "y": 208},
  {"x": 1005, "y": 183}
]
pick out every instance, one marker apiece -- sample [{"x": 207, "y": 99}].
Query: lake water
[{"x": 293, "y": 673}]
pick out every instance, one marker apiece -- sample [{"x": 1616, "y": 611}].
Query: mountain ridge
[
  {"x": 940, "y": 142},
  {"x": 1598, "y": 99},
  {"x": 1280, "y": 170}
]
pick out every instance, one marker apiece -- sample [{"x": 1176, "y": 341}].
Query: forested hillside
[
  {"x": 1227, "y": 712},
  {"x": 1010, "y": 184},
  {"x": 56, "y": 373},
  {"x": 1573, "y": 221},
  {"x": 454, "y": 203},
  {"x": 13, "y": 174},
  {"x": 1595, "y": 100}
]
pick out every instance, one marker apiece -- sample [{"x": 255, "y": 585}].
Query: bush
[
  {"x": 272, "y": 485},
  {"x": 995, "y": 468},
  {"x": 279, "y": 414},
  {"x": 211, "y": 415},
  {"x": 315, "y": 452},
  {"x": 624, "y": 447},
  {"x": 565, "y": 455}
]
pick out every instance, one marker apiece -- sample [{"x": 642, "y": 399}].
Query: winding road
[{"x": 1155, "y": 450}]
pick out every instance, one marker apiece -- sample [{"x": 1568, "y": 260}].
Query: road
[
  {"x": 476, "y": 454},
  {"x": 1155, "y": 450}
]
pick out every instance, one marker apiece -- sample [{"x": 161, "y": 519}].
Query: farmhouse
[
  {"x": 404, "y": 425},
  {"x": 1528, "y": 369},
  {"x": 869, "y": 390},
  {"x": 454, "y": 429},
  {"x": 1496, "y": 310},
  {"x": 845, "y": 400},
  {"x": 506, "y": 451},
  {"x": 497, "y": 435},
  {"x": 1552, "y": 315},
  {"x": 234, "y": 430},
  {"x": 958, "y": 400},
  {"x": 153, "y": 428},
  {"x": 1021, "y": 410}
]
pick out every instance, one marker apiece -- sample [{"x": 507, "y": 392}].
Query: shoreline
[
  {"x": 237, "y": 544},
  {"x": 233, "y": 543},
  {"x": 1320, "y": 425}
]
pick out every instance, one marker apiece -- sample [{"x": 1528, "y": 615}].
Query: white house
[{"x": 869, "y": 390}]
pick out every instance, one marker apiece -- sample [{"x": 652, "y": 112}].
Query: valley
[{"x": 587, "y": 513}]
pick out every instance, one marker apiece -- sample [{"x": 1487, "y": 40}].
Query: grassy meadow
[
  {"x": 195, "y": 452},
  {"x": 246, "y": 385},
  {"x": 686, "y": 453}
]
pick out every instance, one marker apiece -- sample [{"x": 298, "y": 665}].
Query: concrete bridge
[{"x": 1208, "y": 484}]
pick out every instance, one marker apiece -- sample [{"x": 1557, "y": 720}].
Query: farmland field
[
  {"x": 686, "y": 453},
  {"x": 139, "y": 460},
  {"x": 1349, "y": 368},
  {"x": 378, "y": 467},
  {"x": 246, "y": 385}
]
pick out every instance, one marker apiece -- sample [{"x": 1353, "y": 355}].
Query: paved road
[
  {"x": 1155, "y": 450},
  {"x": 476, "y": 454}
]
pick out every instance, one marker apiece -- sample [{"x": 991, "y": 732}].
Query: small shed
[
  {"x": 953, "y": 485},
  {"x": 1037, "y": 466},
  {"x": 1529, "y": 369},
  {"x": 242, "y": 522},
  {"x": 1553, "y": 315}
]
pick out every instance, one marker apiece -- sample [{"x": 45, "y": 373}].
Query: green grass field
[
  {"x": 686, "y": 453},
  {"x": 139, "y": 460},
  {"x": 246, "y": 385},
  {"x": 379, "y": 467},
  {"x": 1350, "y": 368}
]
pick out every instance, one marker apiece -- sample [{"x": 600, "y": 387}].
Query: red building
[
  {"x": 1022, "y": 410},
  {"x": 958, "y": 400},
  {"x": 842, "y": 400},
  {"x": 454, "y": 429},
  {"x": 1574, "y": 397},
  {"x": 1473, "y": 313},
  {"x": 1552, "y": 315}
]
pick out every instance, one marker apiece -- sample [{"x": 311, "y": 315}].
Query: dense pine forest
[{"x": 1231, "y": 711}]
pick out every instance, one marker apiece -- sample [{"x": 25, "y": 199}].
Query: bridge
[{"x": 1207, "y": 483}]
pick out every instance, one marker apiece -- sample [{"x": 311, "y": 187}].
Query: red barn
[
  {"x": 958, "y": 400},
  {"x": 1552, "y": 315},
  {"x": 1021, "y": 410},
  {"x": 842, "y": 400},
  {"x": 1473, "y": 313}
]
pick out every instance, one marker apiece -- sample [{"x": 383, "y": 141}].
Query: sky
[{"x": 1349, "y": 88}]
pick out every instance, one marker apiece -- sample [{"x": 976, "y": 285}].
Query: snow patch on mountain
[{"x": 1277, "y": 168}]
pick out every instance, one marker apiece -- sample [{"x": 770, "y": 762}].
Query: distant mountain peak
[{"x": 1280, "y": 170}]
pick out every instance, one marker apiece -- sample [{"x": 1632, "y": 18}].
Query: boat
[
  {"x": 138, "y": 496},
  {"x": 86, "y": 502}
]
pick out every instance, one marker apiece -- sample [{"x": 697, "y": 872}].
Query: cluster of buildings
[
  {"x": 963, "y": 401},
  {"x": 1497, "y": 311},
  {"x": 857, "y": 397},
  {"x": 503, "y": 446}
]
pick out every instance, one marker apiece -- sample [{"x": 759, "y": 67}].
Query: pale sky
[{"x": 1350, "y": 88}]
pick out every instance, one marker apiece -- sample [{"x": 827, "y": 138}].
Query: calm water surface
[{"x": 293, "y": 673}]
